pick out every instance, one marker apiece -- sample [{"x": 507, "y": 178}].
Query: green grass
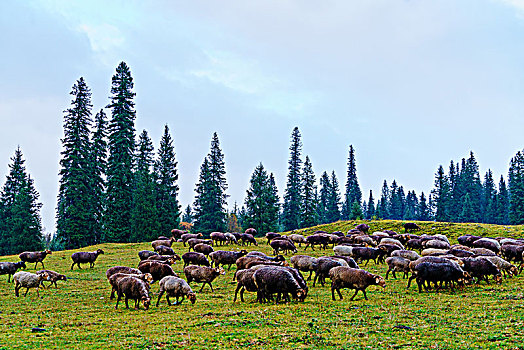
[{"x": 79, "y": 313}]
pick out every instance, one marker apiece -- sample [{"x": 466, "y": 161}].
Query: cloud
[{"x": 517, "y": 4}]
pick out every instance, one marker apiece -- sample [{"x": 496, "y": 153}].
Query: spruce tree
[
  {"x": 325, "y": 188},
  {"x": 382, "y": 211},
  {"x": 370, "y": 212},
  {"x": 441, "y": 196},
  {"x": 356, "y": 212},
  {"x": 204, "y": 200},
  {"x": 489, "y": 199},
  {"x": 333, "y": 204},
  {"x": 309, "y": 216},
  {"x": 144, "y": 215},
  {"x": 75, "y": 221},
  {"x": 353, "y": 193},
  {"x": 98, "y": 165},
  {"x": 273, "y": 205},
  {"x": 502, "y": 217},
  {"x": 20, "y": 221},
  {"x": 468, "y": 213},
  {"x": 292, "y": 195},
  {"x": 168, "y": 208},
  {"x": 516, "y": 189},
  {"x": 395, "y": 202},
  {"x": 121, "y": 149},
  {"x": 423, "y": 210},
  {"x": 260, "y": 207},
  {"x": 187, "y": 216}
]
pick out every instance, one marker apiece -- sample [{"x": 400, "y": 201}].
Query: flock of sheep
[{"x": 274, "y": 278}]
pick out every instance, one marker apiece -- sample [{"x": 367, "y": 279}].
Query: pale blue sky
[{"x": 411, "y": 84}]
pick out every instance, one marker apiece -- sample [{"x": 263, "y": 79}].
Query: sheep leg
[
  {"x": 160, "y": 296},
  {"x": 365, "y": 296},
  {"x": 212, "y": 291},
  {"x": 127, "y": 305},
  {"x": 26, "y": 290},
  {"x": 394, "y": 274},
  {"x": 315, "y": 279},
  {"x": 310, "y": 273},
  {"x": 72, "y": 265},
  {"x": 112, "y": 296},
  {"x": 17, "y": 289},
  {"x": 203, "y": 284},
  {"x": 367, "y": 262},
  {"x": 118, "y": 299},
  {"x": 332, "y": 292},
  {"x": 339, "y": 294},
  {"x": 239, "y": 286},
  {"x": 354, "y": 295},
  {"x": 8, "y": 278},
  {"x": 387, "y": 273}
]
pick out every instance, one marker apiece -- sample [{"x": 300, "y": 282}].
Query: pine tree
[
  {"x": 489, "y": 199},
  {"x": 209, "y": 206},
  {"x": 75, "y": 221},
  {"x": 273, "y": 205},
  {"x": 325, "y": 187},
  {"x": 502, "y": 217},
  {"x": 468, "y": 213},
  {"x": 441, "y": 196},
  {"x": 353, "y": 192},
  {"x": 121, "y": 149},
  {"x": 516, "y": 189},
  {"x": 395, "y": 202},
  {"x": 423, "y": 210},
  {"x": 292, "y": 196},
  {"x": 20, "y": 221},
  {"x": 187, "y": 216},
  {"x": 309, "y": 216},
  {"x": 168, "y": 208},
  {"x": 410, "y": 212},
  {"x": 382, "y": 211},
  {"x": 356, "y": 212},
  {"x": 370, "y": 212},
  {"x": 145, "y": 225},
  {"x": 98, "y": 166},
  {"x": 454, "y": 197},
  {"x": 333, "y": 204}
]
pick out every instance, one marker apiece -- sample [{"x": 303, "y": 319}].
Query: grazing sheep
[
  {"x": 322, "y": 269},
  {"x": 34, "y": 257},
  {"x": 166, "y": 259},
  {"x": 432, "y": 259},
  {"x": 218, "y": 238},
  {"x": 145, "y": 254},
  {"x": 28, "y": 280},
  {"x": 85, "y": 257},
  {"x": 248, "y": 239},
  {"x": 388, "y": 248},
  {"x": 487, "y": 243},
  {"x": 367, "y": 253},
  {"x": 9, "y": 268},
  {"x": 187, "y": 236},
  {"x": 391, "y": 241},
  {"x": 349, "y": 261},
  {"x": 363, "y": 239},
  {"x": 438, "y": 272},
  {"x": 433, "y": 252},
  {"x": 52, "y": 276},
  {"x": 482, "y": 268},
  {"x": 436, "y": 244},
  {"x": 414, "y": 243},
  {"x": 282, "y": 245},
  {"x": 251, "y": 231},
  {"x": 296, "y": 275},
  {"x": 347, "y": 277},
  {"x": 164, "y": 242},
  {"x": 177, "y": 288},
  {"x": 299, "y": 239},
  {"x": 245, "y": 282},
  {"x": 411, "y": 226},
  {"x": 397, "y": 264},
  {"x": 231, "y": 238},
  {"x": 203, "y": 248},
  {"x": 135, "y": 289},
  {"x": 270, "y": 280},
  {"x": 503, "y": 265},
  {"x": 157, "y": 269},
  {"x": 225, "y": 257},
  {"x": 194, "y": 241},
  {"x": 202, "y": 274},
  {"x": 343, "y": 250},
  {"x": 467, "y": 240},
  {"x": 115, "y": 278},
  {"x": 363, "y": 228},
  {"x": 304, "y": 263},
  {"x": 164, "y": 250},
  {"x": 317, "y": 239},
  {"x": 483, "y": 251},
  {"x": 512, "y": 252},
  {"x": 122, "y": 269},
  {"x": 195, "y": 258},
  {"x": 407, "y": 254},
  {"x": 178, "y": 233},
  {"x": 460, "y": 253},
  {"x": 271, "y": 235}
]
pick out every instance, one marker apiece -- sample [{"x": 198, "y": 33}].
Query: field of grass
[{"x": 79, "y": 313}]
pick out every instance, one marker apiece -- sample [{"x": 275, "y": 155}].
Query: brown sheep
[
  {"x": 225, "y": 257},
  {"x": 135, "y": 289},
  {"x": 202, "y": 274},
  {"x": 175, "y": 287},
  {"x": 347, "y": 277},
  {"x": 195, "y": 258},
  {"x": 203, "y": 248},
  {"x": 157, "y": 269},
  {"x": 115, "y": 278},
  {"x": 85, "y": 257},
  {"x": 187, "y": 236},
  {"x": 34, "y": 257},
  {"x": 52, "y": 276},
  {"x": 164, "y": 242}
]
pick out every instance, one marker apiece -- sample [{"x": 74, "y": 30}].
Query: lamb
[
  {"x": 218, "y": 238},
  {"x": 164, "y": 242},
  {"x": 347, "y": 277},
  {"x": 187, "y": 236},
  {"x": 322, "y": 269},
  {"x": 282, "y": 245},
  {"x": 481, "y": 268},
  {"x": 9, "y": 268},
  {"x": 34, "y": 257},
  {"x": 157, "y": 269},
  {"x": 203, "y": 248},
  {"x": 164, "y": 250},
  {"x": 145, "y": 254},
  {"x": 411, "y": 226},
  {"x": 28, "y": 280},
  {"x": 85, "y": 257},
  {"x": 115, "y": 278},
  {"x": 299, "y": 239},
  {"x": 304, "y": 263},
  {"x": 503, "y": 265},
  {"x": 52, "y": 276},
  {"x": 245, "y": 282},
  {"x": 408, "y": 254},
  {"x": 438, "y": 272},
  {"x": 225, "y": 257},
  {"x": 177, "y": 288},
  {"x": 195, "y": 258},
  {"x": 271, "y": 280},
  {"x": 248, "y": 239},
  {"x": 202, "y": 274},
  {"x": 397, "y": 264},
  {"x": 135, "y": 289}
]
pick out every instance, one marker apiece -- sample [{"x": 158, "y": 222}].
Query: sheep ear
[{"x": 377, "y": 279}]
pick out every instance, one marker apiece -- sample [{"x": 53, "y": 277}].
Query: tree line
[{"x": 114, "y": 187}]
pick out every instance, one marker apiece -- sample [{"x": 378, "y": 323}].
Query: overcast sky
[{"x": 410, "y": 84}]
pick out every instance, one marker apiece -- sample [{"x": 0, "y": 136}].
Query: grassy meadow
[{"x": 79, "y": 313}]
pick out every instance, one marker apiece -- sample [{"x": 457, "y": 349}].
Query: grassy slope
[{"x": 79, "y": 313}]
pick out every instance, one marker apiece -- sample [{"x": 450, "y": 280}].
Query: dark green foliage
[
  {"x": 333, "y": 203},
  {"x": 325, "y": 186},
  {"x": 356, "y": 211},
  {"x": 503, "y": 206},
  {"x": 423, "y": 209},
  {"x": 396, "y": 205},
  {"x": 441, "y": 196},
  {"x": 121, "y": 150},
  {"x": 353, "y": 193},
  {"x": 292, "y": 196},
  {"x": 20, "y": 222},
  {"x": 98, "y": 166},
  {"x": 309, "y": 214},
  {"x": 187, "y": 216},
  {"x": 209, "y": 206},
  {"x": 489, "y": 199},
  {"x": 383, "y": 203},
  {"x": 370, "y": 211},
  {"x": 75, "y": 209},
  {"x": 168, "y": 208},
  {"x": 261, "y": 203},
  {"x": 411, "y": 207},
  {"x": 145, "y": 224},
  {"x": 468, "y": 213},
  {"x": 516, "y": 189}
]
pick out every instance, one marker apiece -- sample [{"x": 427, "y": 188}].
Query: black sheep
[
  {"x": 482, "y": 268},
  {"x": 85, "y": 257},
  {"x": 271, "y": 280},
  {"x": 195, "y": 258},
  {"x": 157, "y": 269},
  {"x": 145, "y": 254},
  {"x": 282, "y": 245},
  {"x": 34, "y": 257},
  {"x": 135, "y": 289},
  {"x": 10, "y": 268}
]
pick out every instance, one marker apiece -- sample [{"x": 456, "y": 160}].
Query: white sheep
[
  {"x": 28, "y": 280},
  {"x": 175, "y": 287},
  {"x": 343, "y": 250}
]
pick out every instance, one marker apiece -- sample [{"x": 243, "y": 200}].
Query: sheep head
[
  {"x": 514, "y": 270},
  {"x": 192, "y": 297},
  {"x": 47, "y": 251},
  {"x": 146, "y": 301},
  {"x": 148, "y": 278},
  {"x": 99, "y": 251},
  {"x": 301, "y": 295},
  {"x": 379, "y": 280},
  {"x": 498, "y": 278}
]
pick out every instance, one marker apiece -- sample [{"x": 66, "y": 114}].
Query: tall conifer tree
[
  {"x": 98, "y": 166},
  {"x": 333, "y": 206},
  {"x": 370, "y": 212},
  {"x": 516, "y": 189},
  {"x": 292, "y": 196},
  {"x": 309, "y": 215},
  {"x": 353, "y": 193},
  {"x": 441, "y": 196}
]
